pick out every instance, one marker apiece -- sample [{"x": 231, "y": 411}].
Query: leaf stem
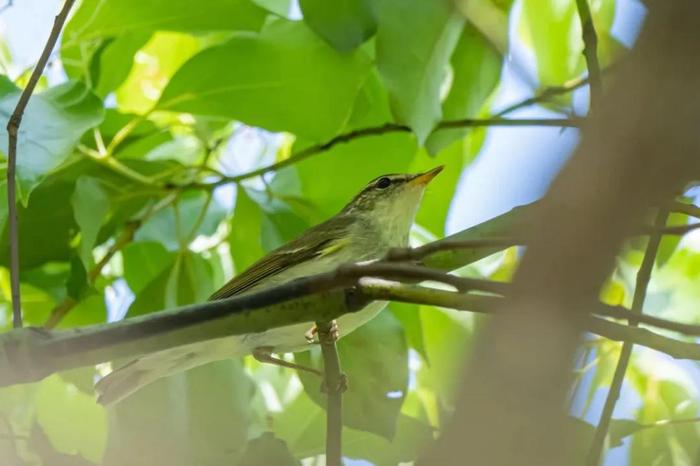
[
  {"x": 640, "y": 291},
  {"x": 13, "y": 125}
]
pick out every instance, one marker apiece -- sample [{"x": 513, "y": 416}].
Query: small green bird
[{"x": 375, "y": 220}]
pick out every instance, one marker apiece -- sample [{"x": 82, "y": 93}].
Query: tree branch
[
  {"x": 13, "y": 125},
  {"x": 640, "y": 292},
  {"x": 590, "y": 52},
  {"x": 334, "y": 385},
  {"x": 380, "y": 130}
]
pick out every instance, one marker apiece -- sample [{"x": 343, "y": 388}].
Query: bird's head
[{"x": 392, "y": 199}]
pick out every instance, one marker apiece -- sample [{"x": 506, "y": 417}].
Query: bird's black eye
[{"x": 383, "y": 183}]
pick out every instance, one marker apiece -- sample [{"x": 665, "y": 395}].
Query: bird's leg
[
  {"x": 311, "y": 333},
  {"x": 264, "y": 355},
  {"x": 327, "y": 338}
]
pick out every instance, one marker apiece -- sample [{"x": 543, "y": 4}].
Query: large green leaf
[
  {"x": 267, "y": 450},
  {"x": 302, "y": 426},
  {"x": 103, "y": 18},
  {"x": 187, "y": 280},
  {"x": 143, "y": 262},
  {"x": 344, "y": 24},
  {"x": 72, "y": 420},
  {"x": 310, "y": 86},
  {"x": 415, "y": 40},
  {"x": 90, "y": 207},
  {"x": 112, "y": 62},
  {"x": 476, "y": 70},
  {"x": 46, "y": 226},
  {"x": 53, "y": 123},
  {"x": 375, "y": 360}
]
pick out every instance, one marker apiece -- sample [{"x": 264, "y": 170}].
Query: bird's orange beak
[{"x": 425, "y": 178}]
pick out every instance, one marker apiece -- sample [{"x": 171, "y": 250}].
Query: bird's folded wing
[{"x": 326, "y": 238}]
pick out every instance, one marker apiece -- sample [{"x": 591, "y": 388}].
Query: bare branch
[
  {"x": 12, "y": 130},
  {"x": 334, "y": 386},
  {"x": 378, "y": 131}
]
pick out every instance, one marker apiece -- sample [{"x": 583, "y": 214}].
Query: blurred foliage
[{"x": 163, "y": 94}]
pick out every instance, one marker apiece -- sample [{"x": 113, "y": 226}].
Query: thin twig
[
  {"x": 681, "y": 207},
  {"x": 640, "y": 292},
  {"x": 416, "y": 294},
  {"x": 545, "y": 95},
  {"x": 12, "y": 129},
  {"x": 334, "y": 386},
  {"x": 590, "y": 52},
  {"x": 378, "y": 131}
]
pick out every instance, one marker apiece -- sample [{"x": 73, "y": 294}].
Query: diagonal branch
[
  {"x": 12, "y": 130},
  {"x": 590, "y": 51},
  {"x": 640, "y": 292}
]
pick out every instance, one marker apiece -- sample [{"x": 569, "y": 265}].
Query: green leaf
[
  {"x": 187, "y": 280},
  {"x": 286, "y": 67},
  {"x": 375, "y": 360},
  {"x": 53, "y": 123},
  {"x": 45, "y": 226},
  {"x": 179, "y": 224},
  {"x": 267, "y": 450},
  {"x": 302, "y": 426},
  {"x": 553, "y": 27},
  {"x": 476, "y": 71},
  {"x": 219, "y": 399},
  {"x": 104, "y": 18},
  {"x": 112, "y": 62},
  {"x": 143, "y": 262},
  {"x": 278, "y": 7},
  {"x": 409, "y": 317},
  {"x": 90, "y": 207},
  {"x": 669, "y": 243},
  {"x": 260, "y": 224},
  {"x": 344, "y": 24},
  {"x": 359, "y": 162},
  {"x": 621, "y": 428},
  {"x": 207, "y": 411},
  {"x": 72, "y": 420},
  {"x": 415, "y": 40}
]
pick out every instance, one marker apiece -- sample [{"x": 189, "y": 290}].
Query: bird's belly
[{"x": 291, "y": 338}]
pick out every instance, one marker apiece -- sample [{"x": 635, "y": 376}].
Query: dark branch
[
  {"x": 378, "y": 131},
  {"x": 12, "y": 130}
]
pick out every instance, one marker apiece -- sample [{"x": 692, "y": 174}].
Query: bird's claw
[{"x": 341, "y": 387}]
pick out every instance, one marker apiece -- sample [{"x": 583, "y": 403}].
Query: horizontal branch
[
  {"x": 390, "y": 291},
  {"x": 31, "y": 354}
]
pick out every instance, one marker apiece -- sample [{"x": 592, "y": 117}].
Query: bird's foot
[
  {"x": 333, "y": 333},
  {"x": 264, "y": 355}
]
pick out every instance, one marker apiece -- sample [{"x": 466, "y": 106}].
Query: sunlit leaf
[
  {"x": 415, "y": 40},
  {"x": 344, "y": 24},
  {"x": 286, "y": 67},
  {"x": 60, "y": 115}
]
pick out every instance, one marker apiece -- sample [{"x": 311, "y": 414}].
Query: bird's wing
[{"x": 327, "y": 239}]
